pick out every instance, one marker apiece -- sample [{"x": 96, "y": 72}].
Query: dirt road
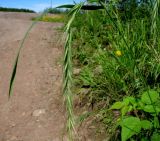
[{"x": 35, "y": 111}]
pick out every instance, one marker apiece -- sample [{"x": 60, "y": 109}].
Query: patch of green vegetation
[
  {"x": 117, "y": 50},
  {"x": 4, "y": 9},
  {"x": 52, "y": 18}
]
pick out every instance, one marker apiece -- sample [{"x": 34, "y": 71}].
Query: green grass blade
[
  {"x": 18, "y": 54},
  {"x": 13, "y": 76},
  {"x": 84, "y": 7}
]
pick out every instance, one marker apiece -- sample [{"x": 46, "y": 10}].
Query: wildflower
[{"x": 118, "y": 53}]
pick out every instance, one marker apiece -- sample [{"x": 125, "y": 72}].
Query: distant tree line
[
  {"x": 4, "y": 9},
  {"x": 129, "y": 9}
]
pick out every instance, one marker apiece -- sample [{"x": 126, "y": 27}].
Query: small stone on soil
[{"x": 38, "y": 112}]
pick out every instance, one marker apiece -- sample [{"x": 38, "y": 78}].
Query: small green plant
[{"x": 139, "y": 117}]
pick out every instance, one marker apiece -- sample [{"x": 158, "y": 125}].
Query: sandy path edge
[{"x": 35, "y": 112}]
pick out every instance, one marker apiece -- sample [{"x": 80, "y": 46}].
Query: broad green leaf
[
  {"x": 144, "y": 139},
  {"x": 130, "y": 127},
  {"x": 155, "y": 137},
  {"x": 124, "y": 110},
  {"x": 117, "y": 105},
  {"x": 130, "y": 108},
  {"x": 151, "y": 109},
  {"x": 132, "y": 100},
  {"x": 156, "y": 122},
  {"x": 145, "y": 124},
  {"x": 141, "y": 105},
  {"x": 158, "y": 103},
  {"x": 129, "y": 99},
  {"x": 126, "y": 101},
  {"x": 150, "y": 97},
  {"x": 135, "y": 106}
]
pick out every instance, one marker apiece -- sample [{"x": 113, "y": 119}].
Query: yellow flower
[{"x": 118, "y": 53}]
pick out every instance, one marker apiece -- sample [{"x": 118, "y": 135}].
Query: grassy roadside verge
[
  {"x": 52, "y": 18},
  {"x": 116, "y": 52}
]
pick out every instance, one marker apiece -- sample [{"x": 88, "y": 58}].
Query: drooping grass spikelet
[
  {"x": 67, "y": 71},
  {"x": 154, "y": 14}
]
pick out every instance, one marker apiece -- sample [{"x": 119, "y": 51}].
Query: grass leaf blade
[
  {"x": 84, "y": 7},
  {"x": 18, "y": 54}
]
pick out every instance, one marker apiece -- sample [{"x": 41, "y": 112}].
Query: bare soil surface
[{"x": 35, "y": 111}]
